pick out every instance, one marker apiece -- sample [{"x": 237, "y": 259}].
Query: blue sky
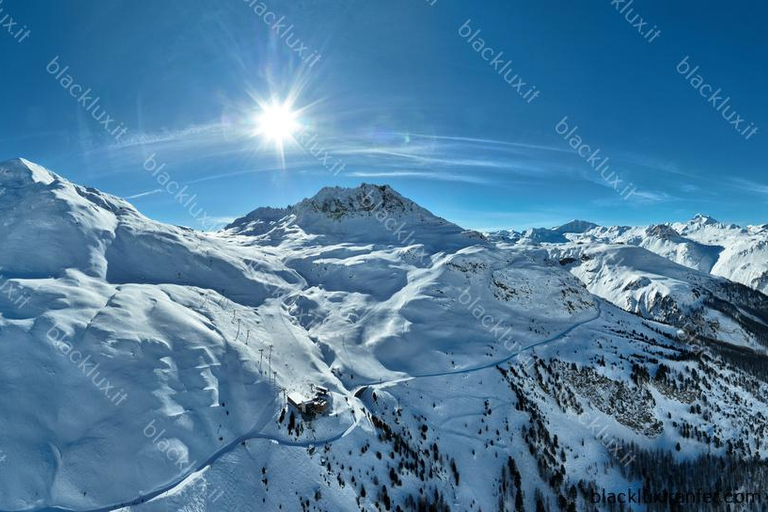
[{"x": 400, "y": 97}]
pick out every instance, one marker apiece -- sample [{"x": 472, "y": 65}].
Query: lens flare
[{"x": 277, "y": 123}]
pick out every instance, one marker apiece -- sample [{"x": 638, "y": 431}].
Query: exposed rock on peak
[{"x": 576, "y": 226}]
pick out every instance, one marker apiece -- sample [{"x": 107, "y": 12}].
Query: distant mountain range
[
  {"x": 147, "y": 367},
  {"x": 737, "y": 253}
]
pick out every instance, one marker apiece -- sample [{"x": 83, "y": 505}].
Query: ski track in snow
[
  {"x": 335, "y": 258},
  {"x": 306, "y": 444}
]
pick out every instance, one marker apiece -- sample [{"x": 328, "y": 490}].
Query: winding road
[{"x": 256, "y": 434}]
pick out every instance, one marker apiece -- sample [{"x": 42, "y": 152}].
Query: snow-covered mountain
[
  {"x": 149, "y": 367},
  {"x": 727, "y": 250},
  {"x": 113, "y": 325},
  {"x": 744, "y": 258},
  {"x": 663, "y": 240},
  {"x": 659, "y": 274},
  {"x": 575, "y": 226},
  {"x": 644, "y": 283}
]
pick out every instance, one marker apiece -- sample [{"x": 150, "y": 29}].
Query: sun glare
[{"x": 277, "y": 123}]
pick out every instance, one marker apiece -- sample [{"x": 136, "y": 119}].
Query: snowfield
[{"x": 146, "y": 367}]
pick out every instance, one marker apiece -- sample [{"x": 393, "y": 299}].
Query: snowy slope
[
  {"x": 745, "y": 257},
  {"x": 666, "y": 242},
  {"x": 575, "y": 226},
  {"x": 462, "y": 374},
  {"x": 127, "y": 326},
  {"x": 727, "y": 250},
  {"x": 653, "y": 287}
]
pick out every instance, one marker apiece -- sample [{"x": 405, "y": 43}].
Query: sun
[{"x": 277, "y": 122}]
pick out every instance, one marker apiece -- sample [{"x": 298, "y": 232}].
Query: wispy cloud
[
  {"x": 750, "y": 186},
  {"x": 490, "y": 142},
  {"x": 230, "y": 174},
  {"x": 650, "y": 196},
  {"x": 181, "y": 136},
  {"x": 442, "y": 153},
  {"x": 638, "y": 198},
  {"x": 437, "y": 176},
  {"x": 388, "y": 155},
  {"x": 486, "y": 162},
  {"x": 145, "y": 194}
]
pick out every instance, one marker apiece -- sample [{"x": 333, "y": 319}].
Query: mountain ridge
[{"x": 461, "y": 371}]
